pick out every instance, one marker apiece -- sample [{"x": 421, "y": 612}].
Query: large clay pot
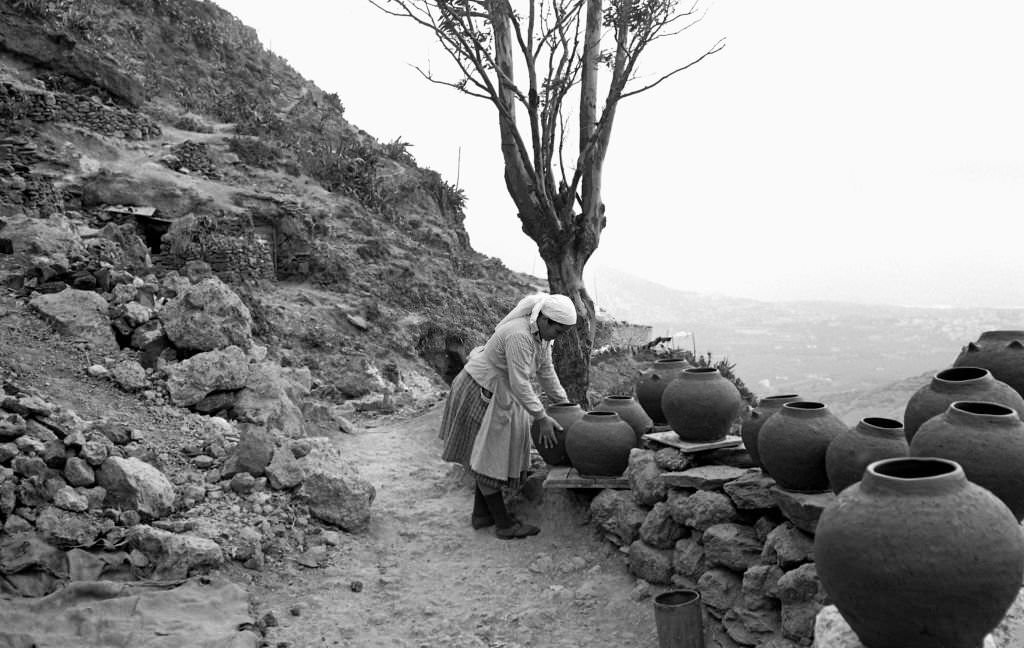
[
  {"x": 630, "y": 411},
  {"x": 987, "y": 439},
  {"x": 566, "y": 414},
  {"x": 957, "y": 384},
  {"x": 701, "y": 404},
  {"x": 917, "y": 556},
  {"x": 1001, "y": 352},
  {"x": 599, "y": 444},
  {"x": 752, "y": 426},
  {"x": 872, "y": 439},
  {"x": 793, "y": 444},
  {"x": 652, "y": 383}
]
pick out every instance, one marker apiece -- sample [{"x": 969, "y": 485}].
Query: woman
[{"x": 491, "y": 405}]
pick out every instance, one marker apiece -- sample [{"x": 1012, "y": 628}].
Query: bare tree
[{"x": 556, "y": 47}]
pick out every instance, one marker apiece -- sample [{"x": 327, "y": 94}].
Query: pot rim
[
  {"x": 986, "y": 410},
  {"x": 952, "y": 376},
  {"x": 936, "y": 475}
]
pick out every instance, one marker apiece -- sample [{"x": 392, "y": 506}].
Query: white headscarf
[{"x": 558, "y": 308}]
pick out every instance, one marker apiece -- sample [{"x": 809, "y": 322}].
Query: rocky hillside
[{"x": 159, "y": 137}]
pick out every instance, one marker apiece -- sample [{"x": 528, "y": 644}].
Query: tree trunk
[{"x": 572, "y": 350}]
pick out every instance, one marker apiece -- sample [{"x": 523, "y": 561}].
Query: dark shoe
[
  {"x": 482, "y": 521},
  {"x": 517, "y": 530}
]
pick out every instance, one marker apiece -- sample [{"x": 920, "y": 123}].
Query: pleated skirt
[{"x": 463, "y": 412}]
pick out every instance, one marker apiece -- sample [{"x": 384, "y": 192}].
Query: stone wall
[
  {"x": 228, "y": 243},
  {"x": 42, "y": 106},
  {"x": 726, "y": 530}
]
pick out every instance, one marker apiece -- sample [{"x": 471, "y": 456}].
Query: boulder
[
  {"x": 80, "y": 314},
  {"x": 284, "y": 471},
  {"x": 643, "y": 474},
  {"x": 730, "y": 545},
  {"x": 270, "y": 398},
  {"x": 191, "y": 380},
  {"x": 337, "y": 494},
  {"x": 617, "y": 515},
  {"x": 174, "y": 555},
  {"x": 66, "y": 529},
  {"x": 659, "y": 530},
  {"x": 207, "y": 316},
  {"x": 650, "y": 563},
  {"x": 252, "y": 454},
  {"x": 52, "y": 238},
  {"x": 135, "y": 485},
  {"x": 129, "y": 375},
  {"x": 701, "y": 510}
]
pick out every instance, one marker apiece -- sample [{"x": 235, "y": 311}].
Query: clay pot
[
  {"x": 566, "y": 414},
  {"x": 958, "y": 383},
  {"x": 793, "y": 443},
  {"x": 701, "y": 404},
  {"x": 1001, "y": 352},
  {"x": 917, "y": 556},
  {"x": 652, "y": 383},
  {"x": 987, "y": 440},
  {"x": 873, "y": 438},
  {"x": 630, "y": 411},
  {"x": 752, "y": 426},
  {"x": 599, "y": 444}
]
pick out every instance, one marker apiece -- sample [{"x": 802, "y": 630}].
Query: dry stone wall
[
  {"x": 42, "y": 106},
  {"x": 715, "y": 524}
]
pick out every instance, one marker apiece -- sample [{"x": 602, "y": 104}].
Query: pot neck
[
  {"x": 913, "y": 476},
  {"x": 981, "y": 412},
  {"x": 881, "y": 428},
  {"x": 701, "y": 373},
  {"x": 805, "y": 409},
  {"x": 602, "y": 416}
]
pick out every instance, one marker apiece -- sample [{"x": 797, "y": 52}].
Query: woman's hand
[{"x": 548, "y": 428}]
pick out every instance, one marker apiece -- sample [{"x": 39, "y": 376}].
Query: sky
[{"x": 869, "y": 152}]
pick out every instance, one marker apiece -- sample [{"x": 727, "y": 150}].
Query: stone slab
[
  {"x": 671, "y": 439},
  {"x": 802, "y": 509},
  {"x": 703, "y": 477},
  {"x": 569, "y": 477}
]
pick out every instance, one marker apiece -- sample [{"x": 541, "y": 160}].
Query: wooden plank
[
  {"x": 569, "y": 477},
  {"x": 671, "y": 439}
]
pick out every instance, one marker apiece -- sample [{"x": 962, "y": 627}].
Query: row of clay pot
[
  {"x": 596, "y": 442},
  {"x": 925, "y": 550},
  {"x": 698, "y": 403}
]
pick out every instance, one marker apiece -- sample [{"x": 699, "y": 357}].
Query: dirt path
[{"x": 430, "y": 580}]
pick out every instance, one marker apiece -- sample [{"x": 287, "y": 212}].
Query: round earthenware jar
[
  {"x": 872, "y": 439},
  {"x": 752, "y": 425},
  {"x": 599, "y": 444},
  {"x": 957, "y": 383},
  {"x": 1001, "y": 352},
  {"x": 652, "y": 383},
  {"x": 630, "y": 411},
  {"x": 566, "y": 414},
  {"x": 701, "y": 404},
  {"x": 917, "y": 556},
  {"x": 986, "y": 439},
  {"x": 792, "y": 445}
]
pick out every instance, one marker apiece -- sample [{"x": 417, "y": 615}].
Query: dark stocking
[{"x": 496, "y": 505}]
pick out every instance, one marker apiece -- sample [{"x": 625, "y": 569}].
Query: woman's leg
[
  {"x": 506, "y": 526},
  {"x": 481, "y": 513}
]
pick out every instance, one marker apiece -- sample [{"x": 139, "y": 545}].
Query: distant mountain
[{"x": 811, "y": 348}]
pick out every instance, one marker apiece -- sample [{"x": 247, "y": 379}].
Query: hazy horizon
[{"x": 872, "y": 157}]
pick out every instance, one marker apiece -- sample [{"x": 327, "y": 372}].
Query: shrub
[{"x": 254, "y": 152}]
